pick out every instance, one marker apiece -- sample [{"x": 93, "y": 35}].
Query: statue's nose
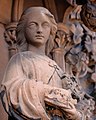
[{"x": 39, "y": 29}]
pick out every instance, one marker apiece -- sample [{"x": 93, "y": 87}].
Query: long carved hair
[{"x": 22, "y": 43}]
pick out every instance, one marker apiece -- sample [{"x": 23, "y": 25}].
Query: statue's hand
[
  {"x": 72, "y": 113},
  {"x": 59, "y": 96}
]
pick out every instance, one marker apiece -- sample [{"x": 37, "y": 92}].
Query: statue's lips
[{"x": 39, "y": 36}]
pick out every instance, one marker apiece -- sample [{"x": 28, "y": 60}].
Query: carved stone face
[
  {"x": 88, "y": 15},
  {"x": 37, "y": 29}
]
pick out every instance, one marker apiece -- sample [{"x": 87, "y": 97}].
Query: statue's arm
[{"x": 19, "y": 94}]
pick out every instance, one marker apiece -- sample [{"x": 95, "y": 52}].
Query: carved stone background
[{"x": 76, "y": 49}]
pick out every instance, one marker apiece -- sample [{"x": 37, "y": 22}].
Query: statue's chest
[{"x": 47, "y": 72}]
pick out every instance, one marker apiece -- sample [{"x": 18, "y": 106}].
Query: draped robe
[{"x": 27, "y": 78}]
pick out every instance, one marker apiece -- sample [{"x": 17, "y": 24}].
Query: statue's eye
[
  {"x": 46, "y": 24},
  {"x": 32, "y": 24}
]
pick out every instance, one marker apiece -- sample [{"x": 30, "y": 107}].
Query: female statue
[{"x": 32, "y": 86}]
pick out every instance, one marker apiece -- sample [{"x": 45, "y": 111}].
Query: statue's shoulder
[
  {"x": 17, "y": 58},
  {"x": 21, "y": 55}
]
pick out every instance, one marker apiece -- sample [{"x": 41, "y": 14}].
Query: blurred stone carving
[
  {"x": 61, "y": 45},
  {"x": 10, "y": 38},
  {"x": 88, "y": 14},
  {"x": 83, "y": 52},
  {"x": 85, "y": 103},
  {"x": 78, "y": 58},
  {"x": 69, "y": 49},
  {"x": 72, "y": 2}
]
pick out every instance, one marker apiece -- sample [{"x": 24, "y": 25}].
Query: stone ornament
[
  {"x": 88, "y": 14},
  {"x": 10, "y": 38},
  {"x": 78, "y": 56}
]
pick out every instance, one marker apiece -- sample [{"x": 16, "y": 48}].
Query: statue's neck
[{"x": 38, "y": 50}]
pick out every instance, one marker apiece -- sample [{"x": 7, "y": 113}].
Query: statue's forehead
[
  {"x": 36, "y": 10},
  {"x": 36, "y": 14},
  {"x": 39, "y": 16}
]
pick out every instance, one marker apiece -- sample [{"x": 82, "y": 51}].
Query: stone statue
[{"x": 32, "y": 86}]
